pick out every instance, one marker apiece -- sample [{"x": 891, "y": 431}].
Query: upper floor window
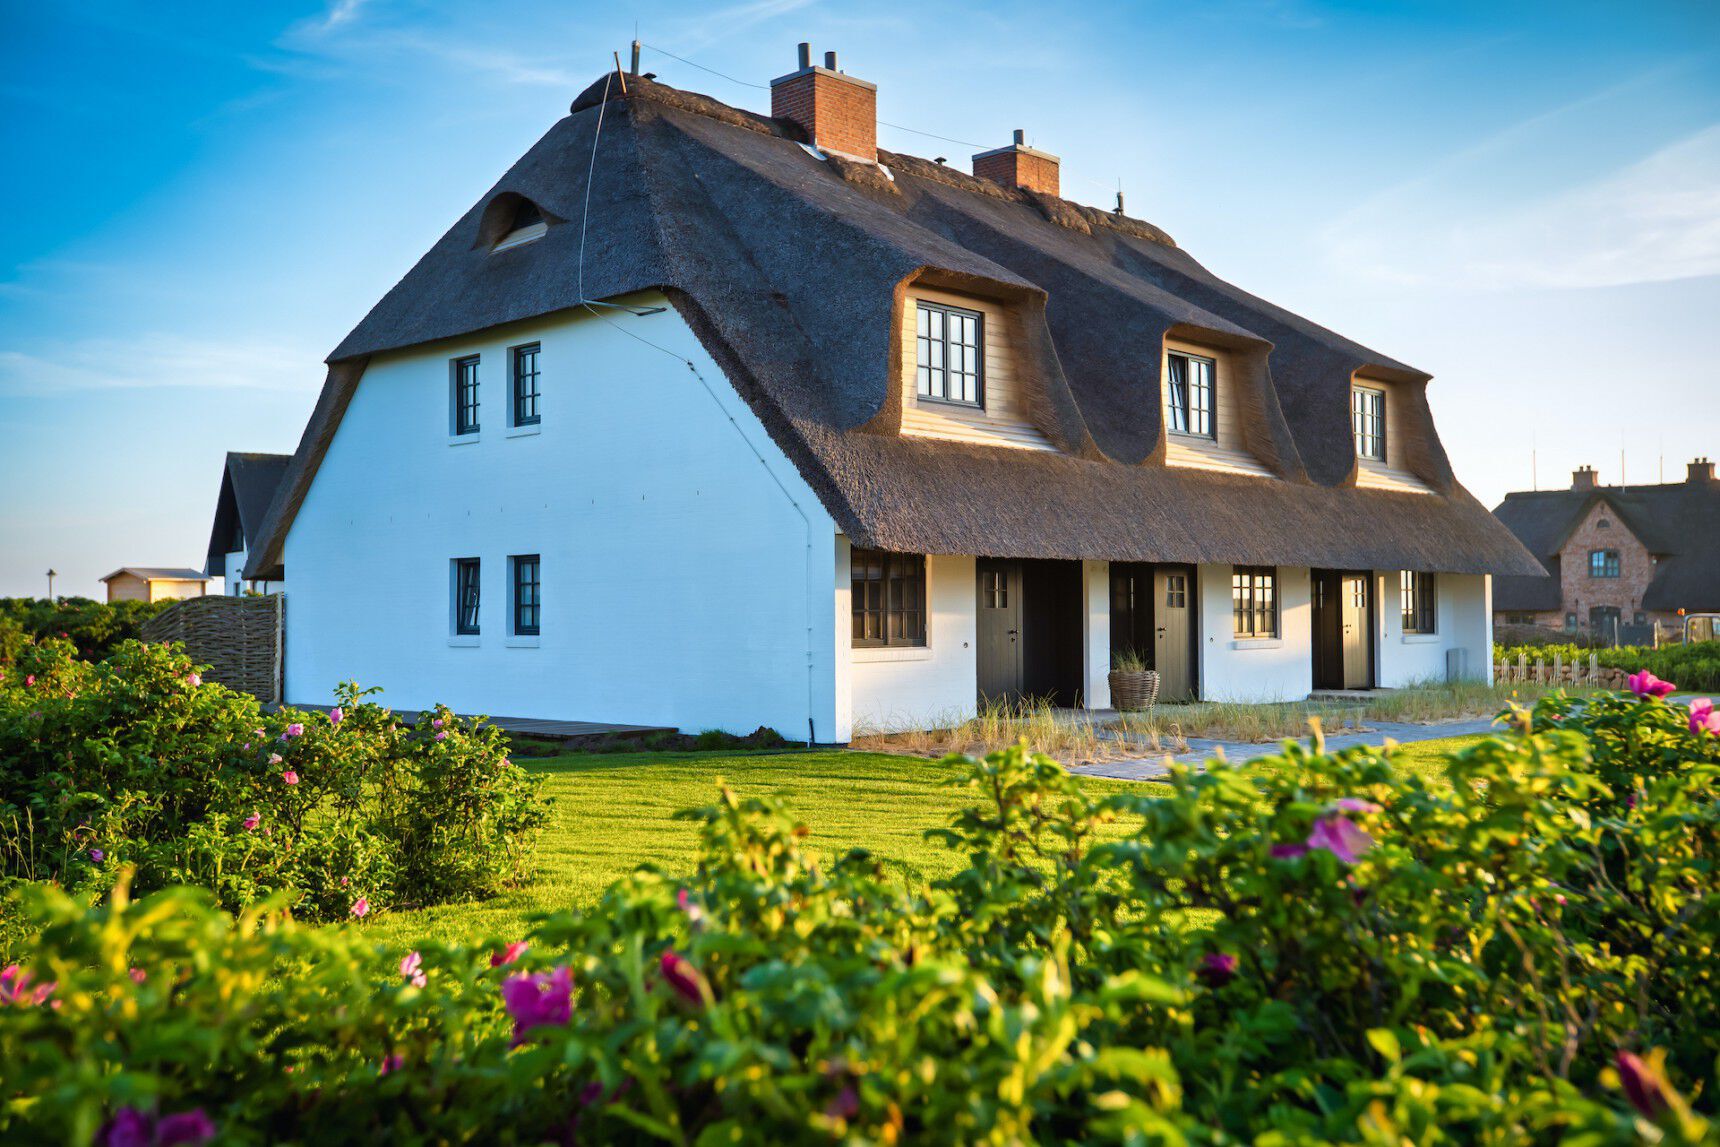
[
  {"x": 1191, "y": 383},
  {"x": 888, "y": 598},
  {"x": 1417, "y": 599},
  {"x": 466, "y": 596},
  {"x": 951, "y": 364},
  {"x": 528, "y": 597},
  {"x": 1254, "y": 601},
  {"x": 524, "y": 369},
  {"x": 526, "y": 224},
  {"x": 1603, "y": 563},
  {"x": 1368, "y": 420},
  {"x": 465, "y": 371}
]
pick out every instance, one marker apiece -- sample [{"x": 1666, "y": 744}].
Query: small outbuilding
[{"x": 154, "y": 583}]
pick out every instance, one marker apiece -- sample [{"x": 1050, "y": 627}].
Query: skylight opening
[{"x": 511, "y": 221}]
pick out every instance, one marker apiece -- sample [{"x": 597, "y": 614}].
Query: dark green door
[{"x": 998, "y": 639}]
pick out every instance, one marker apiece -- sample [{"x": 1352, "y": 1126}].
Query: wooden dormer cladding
[
  {"x": 1397, "y": 471},
  {"x": 1003, "y": 417},
  {"x": 1227, "y": 448}
]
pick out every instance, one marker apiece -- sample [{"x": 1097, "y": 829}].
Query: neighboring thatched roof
[
  {"x": 790, "y": 270},
  {"x": 1678, "y": 522},
  {"x": 249, "y": 483}
]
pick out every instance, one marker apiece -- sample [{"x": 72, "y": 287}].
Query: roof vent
[
  {"x": 1583, "y": 478},
  {"x": 1700, "y": 470},
  {"x": 1019, "y": 166},
  {"x": 838, "y": 112},
  {"x": 511, "y": 220}
]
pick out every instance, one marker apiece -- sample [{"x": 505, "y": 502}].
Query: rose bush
[
  {"x": 137, "y": 762},
  {"x": 1313, "y": 947}
]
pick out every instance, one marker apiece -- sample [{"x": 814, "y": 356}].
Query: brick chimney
[
  {"x": 838, "y": 112},
  {"x": 1700, "y": 470},
  {"x": 1019, "y": 166},
  {"x": 1583, "y": 478}
]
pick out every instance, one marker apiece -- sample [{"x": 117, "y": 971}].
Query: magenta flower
[
  {"x": 193, "y": 679},
  {"x": 509, "y": 954},
  {"x": 684, "y": 979},
  {"x": 133, "y": 1128},
  {"x": 275, "y": 758},
  {"x": 295, "y": 730},
  {"x": 186, "y": 1127},
  {"x": 361, "y": 907},
  {"x": 345, "y": 880},
  {"x": 1217, "y": 969},
  {"x": 1646, "y": 685},
  {"x": 335, "y": 716},
  {"x": 1642, "y": 1085},
  {"x": 695, "y": 913},
  {"x": 129, "y": 1127},
  {"x": 846, "y": 1104},
  {"x": 390, "y": 1064},
  {"x": 97, "y": 855},
  {"x": 15, "y": 988},
  {"x": 1339, "y": 836},
  {"x": 436, "y": 724},
  {"x": 252, "y": 821},
  {"x": 1704, "y": 718},
  {"x": 138, "y": 975},
  {"x": 290, "y": 777},
  {"x": 1288, "y": 851},
  {"x": 442, "y": 736},
  {"x": 30, "y": 679},
  {"x": 536, "y": 1000},
  {"x": 259, "y": 732},
  {"x": 412, "y": 968}
]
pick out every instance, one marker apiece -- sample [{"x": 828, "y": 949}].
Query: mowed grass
[{"x": 611, "y": 814}]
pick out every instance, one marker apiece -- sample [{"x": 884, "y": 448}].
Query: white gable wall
[
  {"x": 686, "y": 566},
  {"x": 1463, "y": 620}
]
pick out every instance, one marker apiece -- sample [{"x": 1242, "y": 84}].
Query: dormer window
[
  {"x": 1368, "y": 421},
  {"x": 949, "y": 364},
  {"x": 526, "y": 224},
  {"x": 1191, "y": 385}
]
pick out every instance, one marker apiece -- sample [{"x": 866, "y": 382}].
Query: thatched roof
[
  {"x": 790, "y": 269},
  {"x": 1678, "y": 522},
  {"x": 249, "y": 483}
]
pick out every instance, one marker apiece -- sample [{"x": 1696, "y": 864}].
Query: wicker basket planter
[{"x": 1134, "y": 689}]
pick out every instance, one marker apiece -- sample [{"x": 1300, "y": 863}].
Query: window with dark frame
[
  {"x": 466, "y": 395},
  {"x": 1570, "y": 621},
  {"x": 1417, "y": 600},
  {"x": 528, "y": 595},
  {"x": 889, "y": 598},
  {"x": 524, "y": 369},
  {"x": 949, "y": 362},
  {"x": 1254, "y": 601},
  {"x": 1603, "y": 563},
  {"x": 1190, "y": 390},
  {"x": 1368, "y": 420},
  {"x": 466, "y": 596}
]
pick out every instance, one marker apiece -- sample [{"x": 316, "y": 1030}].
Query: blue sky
[{"x": 199, "y": 200}]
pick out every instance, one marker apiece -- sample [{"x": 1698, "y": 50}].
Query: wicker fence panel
[{"x": 239, "y": 638}]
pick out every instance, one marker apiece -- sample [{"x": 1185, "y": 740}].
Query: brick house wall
[{"x": 1603, "y": 529}]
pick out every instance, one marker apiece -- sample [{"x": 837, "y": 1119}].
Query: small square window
[
  {"x": 888, "y": 599},
  {"x": 1254, "y": 601},
  {"x": 1603, "y": 563}
]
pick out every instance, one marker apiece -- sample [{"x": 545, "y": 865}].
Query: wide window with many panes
[
  {"x": 950, "y": 364},
  {"x": 1417, "y": 595},
  {"x": 524, "y": 369},
  {"x": 889, "y": 598},
  {"x": 1603, "y": 563},
  {"x": 1254, "y": 601},
  {"x": 1191, "y": 384},
  {"x": 466, "y": 596},
  {"x": 1368, "y": 420},
  {"x": 528, "y": 595},
  {"x": 465, "y": 371}
]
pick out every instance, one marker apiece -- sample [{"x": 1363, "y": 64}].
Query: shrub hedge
[
  {"x": 1693, "y": 666},
  {"x": 136, "y": 762},
  {"x": 96, "y": 628},
  {"x": 1313, "y": 947}
]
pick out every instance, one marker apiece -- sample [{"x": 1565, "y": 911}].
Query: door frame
[{"x": 1319, "y": 634}]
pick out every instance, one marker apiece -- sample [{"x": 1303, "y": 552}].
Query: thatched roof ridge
[
  {"x": 249, "y": 482},
  {"x": 790, "y": 269}
]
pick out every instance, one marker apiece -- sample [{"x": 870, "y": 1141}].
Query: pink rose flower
[
  {"x": 295, "y": 730},
  {"x": 193, "y": 679},
  {"x": 1704, "y": 718},
  {"x": 1217, "y": 968},
  {"x": 541, "y": 999},
  {"x": 685, "y": 980},
  {"x": 1642, "y": 1085},
  {"x": 97, "y": 855},
  {"x": 436, "y": 724},
  {"x": 275, "y": 758},
  {"x": 133, "y": 1128},
  {"x": 361, "y": 908},
  {"x": 290, "y": 777},
  {"x": 15, "y": 988},
  {"x": 1339, "y": 836},
  {"x": 412, "y": 970},
  {"x": 390, "y": 1064},
  {"x": 252, "y": 821},
  {"x": 1646, "y": 685},
  {"x": 335, "y": 716},
  {"x": 509, "y": 954},
  {"x": 138, "y": 975},
  {"x": 442, "y": 736},
  {"x": 30, "y": 679}
]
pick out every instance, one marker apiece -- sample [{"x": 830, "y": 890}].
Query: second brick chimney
[
  {"x": 1583, "y": 478},
  {"x": 838, "y": 112},
  {"x": 1019, "y": 166},
  {"x": 1700, "y": 470}
]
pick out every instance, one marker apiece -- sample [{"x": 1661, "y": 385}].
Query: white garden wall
[{"x": 686, "y": 566}]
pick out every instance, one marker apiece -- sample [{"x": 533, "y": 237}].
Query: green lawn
[{"x": 613, "y": 813}]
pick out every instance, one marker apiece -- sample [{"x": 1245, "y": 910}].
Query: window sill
[
  {"x": 529, "y": 641},
  {"x": 1257, "y": 643},
  {"x": 524, "y": 431},
  {"x": 464, "y": 439},
  {"x": 463, "y": 640},
  {"x": 865, "y": 653},
  {"x": 1191, "y": 436},
  {"x": 1420, "y": 639},
  {"x": 934, "y": 400}
]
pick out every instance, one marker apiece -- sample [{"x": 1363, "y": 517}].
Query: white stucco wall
[
  {"x": 1464, "y": 620},
  {"x": 918, "y": 688},
  {"x": 678, "y": 583},
  {"x": 1256, "y": 669}
]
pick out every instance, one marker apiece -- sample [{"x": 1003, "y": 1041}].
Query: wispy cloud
[
  {"x": 722, "y": 23},
  {"x": 159, "y": 361}
]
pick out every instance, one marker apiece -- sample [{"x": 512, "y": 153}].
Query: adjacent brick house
[{"x": 1617, "y": 557}]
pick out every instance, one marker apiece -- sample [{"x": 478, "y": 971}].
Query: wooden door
[
  {"x": 998, "y": 637},
  {"x": 1132, "y": 609},
  {"x": 1357, "y": 631},
  {"x": 1173, "y": 635}
]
